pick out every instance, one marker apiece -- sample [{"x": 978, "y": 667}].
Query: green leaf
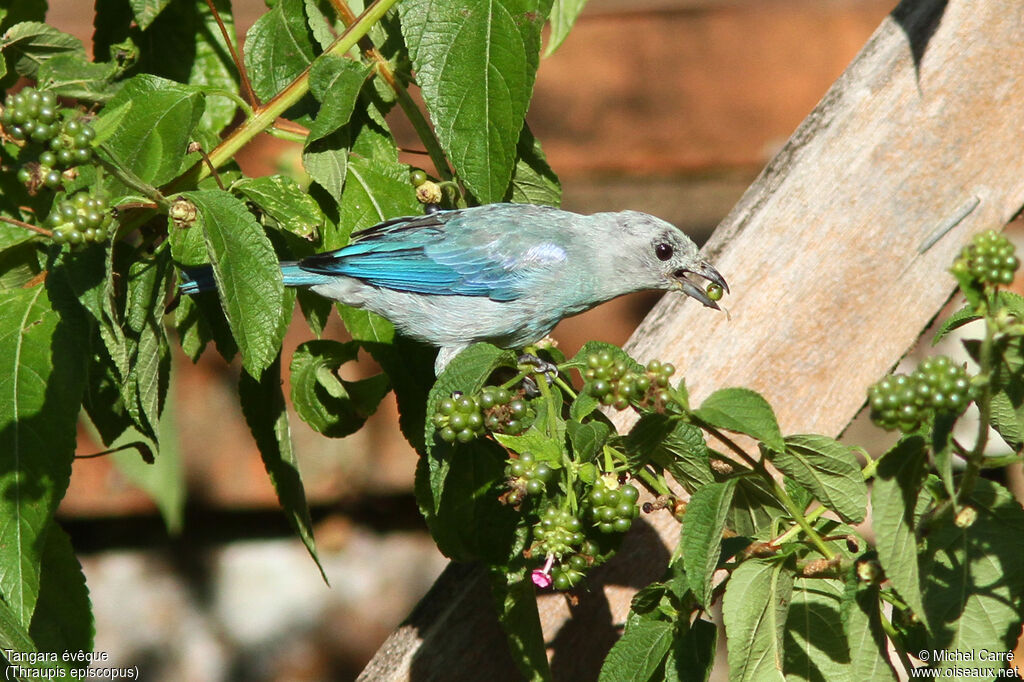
[
  {"x": 1005, "y": 419},
  {"x": 582, "y": 406},
  {"x": 28, "y": 45},
  {"x": 563, "y": 16},
  {"x": 163, "y": 480},
  {"x": 264, "y": 409},
  {"x": 973, "y": 581},
  {"x": 893, "y": 498},
  {"x": 828, "y": 470},
  {"x": 860, "y": 613},
  {"x": 146, "y": 11},
  {"x": 701, "y": 541},
  {"x": 517, "y": 610},
  {"x": 278, "y": 48},
  {"x": 674, "y": 445},
  {"x": 754, "y": 507},
  {"x": 42, "y": 374},
  {"x": 815, "y": 642},
  {"x": 147, "y": 126},
  {"x": 248, "y": 276},
  {"x": 639, "y": 653},
  {"x": 374, "y": 192},
  {"x": 955, "y": 321},
  {"x": 693, "y": 653},
  {"x": 144, "y": 389},
  {"x": 533, "y": 181},
  {"x": 457, "y": 486},
  {"x": 335, "y": 82},
  {"x": 539, "y": 444},
  {"x": 755, "y": 608},
  {"x": 587, "y": 439},
  {"x": 72, "y": 75},
  {"x": 743, "y": 411},
  {"x": 63, "y": 617},
  {"x": 280, "y": 197},
  {"x": 329, "y": 404},
  {"x": 19, "y": 648},
  {"x": 476, "y": 61}
]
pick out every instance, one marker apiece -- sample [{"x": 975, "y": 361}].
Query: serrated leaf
[
  {"x": 973, "y": 581},
  {"x": 587, "y": 439},
  {"x": 375, "y": 192},
  {"x": 475, "y": 61},
  {"x": 517, "y": 610},
  {"x": 743, "y": 411},
  {"x": 755, "y": 608},
  {"x": 63, "y": 617},
  {"x": 582, "y": 405},
  {"x": 894, "y": 496},
  {"x": 533, "y": 181},
  {"x": 828, "y": 470},
  {"x": 42, "y": 373},
  {"x": 72, "y": 75},
  {"x": 865, "y": 636},
  {"x": 534, "y": 441},
  {"x": 15, "y": 637},
  {"x": 146, "y": 11},
  {"x": 248, "y": 276},
  {"x": 1005, "y": 420},
  {"x": 815, "y": 641},
  {"x": 280, "y": 197},
  {"x": 264, "y": 409},
  {"x": 28, "y": 45},
  {"x": 674, "y": 445},
  {"x": 955, "y": 321},
  {"x": 278, "y": 48},
  {"x": 754, "y": 507},
  {"x": 329, "y": 404},
  {"x": 701, "y": 541},
  {"x": 335, "y": 82},
  {"x": 639, "y": 653},
  {"x": 563, "y": 16},
  {"x": 693, "y": 654},
  {"x": 147, "y": 126}
]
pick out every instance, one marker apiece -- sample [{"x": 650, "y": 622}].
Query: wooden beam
[{"x": 837, "y": 257}]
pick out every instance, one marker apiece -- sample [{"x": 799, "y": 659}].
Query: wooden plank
[{"x": 825, "y": 255}]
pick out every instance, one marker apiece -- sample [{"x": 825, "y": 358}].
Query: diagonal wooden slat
[{"x": 837, "y": 257}]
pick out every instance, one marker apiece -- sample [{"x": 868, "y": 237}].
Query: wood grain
[{"x": 830, "y": 284}]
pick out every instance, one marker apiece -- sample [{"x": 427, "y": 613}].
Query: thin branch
[
  {"x": 250, "y": 94},
  {"x": 28, "y": 226}
]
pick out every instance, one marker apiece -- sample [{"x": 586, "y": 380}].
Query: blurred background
[{"x": 664, "y": 106}]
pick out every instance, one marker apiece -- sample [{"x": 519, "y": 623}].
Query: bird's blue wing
[{"x": 490, "y": 251}]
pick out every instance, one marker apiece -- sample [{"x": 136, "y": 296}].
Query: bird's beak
[{"x": 696, "y": 291}]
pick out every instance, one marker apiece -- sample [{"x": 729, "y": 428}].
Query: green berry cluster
[
  {"x": 613, "y": 383},
  {"x": 938, "y": 385},
  {"x": 526, "y": 475},
  {"x": 462, "y": 418},
  {"x": 458, "y": 419},
  {"x": 80, "y": 219},
  {"x": 988, "y": 259},
  {"x": 613, "y": 507},
  {"x": 569, "y": 573},
  {"x": 33, "y": 116},
  {"x": 557, "y": 533}
]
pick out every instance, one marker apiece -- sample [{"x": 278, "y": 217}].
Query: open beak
[{"x": 694, "y": 290}]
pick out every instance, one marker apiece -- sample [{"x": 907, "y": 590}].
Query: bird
[{"x": 501, "y": 273}]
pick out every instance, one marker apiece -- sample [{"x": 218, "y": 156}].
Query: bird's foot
[{"x": 539, "y": 366}]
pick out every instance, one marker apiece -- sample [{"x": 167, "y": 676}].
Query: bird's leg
[{"x": 540, "y": 366}]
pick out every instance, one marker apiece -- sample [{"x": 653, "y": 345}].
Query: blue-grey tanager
[{"x": 501, "y": 273}]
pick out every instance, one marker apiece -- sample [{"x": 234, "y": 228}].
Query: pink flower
[{"x": 542, "y": 577}]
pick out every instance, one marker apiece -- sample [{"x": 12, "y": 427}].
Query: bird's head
[{"x": 665, "y": 258}]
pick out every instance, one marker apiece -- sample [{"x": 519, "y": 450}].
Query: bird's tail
[{"x": 197, "y": 280}]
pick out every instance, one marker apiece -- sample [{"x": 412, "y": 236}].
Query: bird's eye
[{"x": 663, "y": 251}]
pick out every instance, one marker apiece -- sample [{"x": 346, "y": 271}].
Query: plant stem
[
  {"x": 409, "y": 107},
  {"x": 984, "y": 402},
  {"x": 265, "y": 115},
  {"x": 779, "y": 491},
  {"x": 28, "y": 226}
]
